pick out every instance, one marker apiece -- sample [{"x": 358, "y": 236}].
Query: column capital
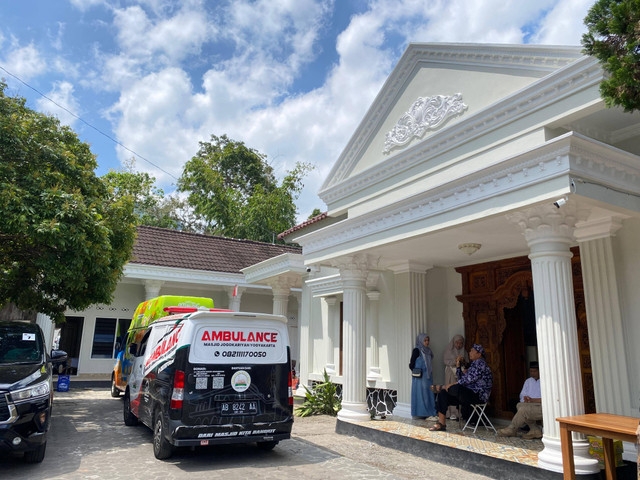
[
  {"x": 353, "y": 267},
  {"x": 598, "y": 228},
  {"x": 280, "y": 286},
  {"x": 409, "y": 267},
  {"x": 331, "y": 301},
  {"x": 152, "y": 288},
  {"x": 545, "y": 225},
  {"x": 373, "y": 295}
]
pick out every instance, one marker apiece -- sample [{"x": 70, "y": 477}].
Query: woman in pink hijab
[{"x": 454, "y": 350}]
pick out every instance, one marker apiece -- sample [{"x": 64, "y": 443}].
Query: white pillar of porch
[
  {"x": 549, "y": 234},
  {"x": 304, "y": 360},
  {"x": 604, "y": 318},
  {"x": 294, "y": 331},
  {"x": 280, "y": 290},
  {"x": 152, "y": 288},
  {"x": 234, "y": 302},
  {"x": 329, "y": 331},
  {"x": 372, "y": 334},
  {"x": 48, "y": 329},
  {"x": 354, "y": 391},
  {"x": 411, "y": 319}
]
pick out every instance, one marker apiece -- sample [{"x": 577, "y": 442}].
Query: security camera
[
  {"x": 308, "y": 269},
  {"x": 560, "y": 202}
]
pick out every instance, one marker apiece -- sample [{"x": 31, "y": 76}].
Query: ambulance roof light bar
[{"x": 193, "y": 309}]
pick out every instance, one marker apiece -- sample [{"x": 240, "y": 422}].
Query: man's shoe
[
  {"x": 532, "y": 434},
  {"x": 507, "y": 432}
]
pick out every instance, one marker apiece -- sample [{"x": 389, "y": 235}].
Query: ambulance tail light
[
  {"x": 178, "y": 390},
  {"x": 290, "y": 387}
]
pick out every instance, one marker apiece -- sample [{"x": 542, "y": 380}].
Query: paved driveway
[{"x": 88, "y": 440}]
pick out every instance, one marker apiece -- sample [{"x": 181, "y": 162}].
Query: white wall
[{"x": 125, "y": 300}]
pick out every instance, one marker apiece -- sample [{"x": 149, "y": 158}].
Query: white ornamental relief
[{"x": 426, "y": 113}]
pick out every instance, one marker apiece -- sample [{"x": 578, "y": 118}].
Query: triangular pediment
[{"x": 436, "y": 86}]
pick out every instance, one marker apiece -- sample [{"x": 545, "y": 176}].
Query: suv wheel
[
  {"x": 37, "y": 455},
  {"x": 130, "y": 420},
  {"x": 115, "y": 393},
  {"x": 162, "y": 449}
]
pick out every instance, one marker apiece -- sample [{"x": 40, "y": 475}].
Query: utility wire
[{"x": 86, "y": 123}]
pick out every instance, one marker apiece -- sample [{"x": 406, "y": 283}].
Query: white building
[{"x": 488, "y": 191}]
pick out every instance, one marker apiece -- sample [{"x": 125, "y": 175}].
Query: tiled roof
[
  {"x": 302, "y": 225},
  {"x": 171, "y": 248}
]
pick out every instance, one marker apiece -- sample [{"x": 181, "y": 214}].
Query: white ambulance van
[{"x": 204, "y": 377}]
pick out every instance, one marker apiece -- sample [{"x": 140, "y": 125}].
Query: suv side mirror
[
  {"x": 58, "y": 357},
  {"x": 133, "y": 349}
]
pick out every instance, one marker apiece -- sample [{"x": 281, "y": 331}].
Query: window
[{"x": 107, "y": 337}]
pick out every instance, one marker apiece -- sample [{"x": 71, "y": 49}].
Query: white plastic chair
[{"x": 479, "y": 411}]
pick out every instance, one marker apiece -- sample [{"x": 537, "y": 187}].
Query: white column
[
  {"x": 234, "y": 301},
  {"x": 48, "y": 329},
  {"x": 549, "y": 233},
  {"x": 329, "y": 330},
  {"x": 411, "y": 319},
  {"x": 354, "y": 394},
  {"x": 372, "y": 334},
  {"x": 280, "y": 290},
  {"x": 304, "y": 366},
  {"x": 152, "y": 288},
  {"x": 604, "y": 318}
]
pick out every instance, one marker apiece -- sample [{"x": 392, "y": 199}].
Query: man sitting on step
[{"x": 529, "y": 408}]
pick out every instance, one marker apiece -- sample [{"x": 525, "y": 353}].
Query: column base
[
  {"x": 402, "y": 410},
  {"x": 550, "y": 458},
  {"x": 374, "y": 374},
  {"x": 354, "y": 412}
]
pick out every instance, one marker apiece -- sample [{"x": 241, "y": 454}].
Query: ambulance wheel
[
  {"x": 115, "y": 393},
  {"x": 162, "y": 449},
  {"x": 130, "y": 420},
  {"x": 267, "y": 445}
]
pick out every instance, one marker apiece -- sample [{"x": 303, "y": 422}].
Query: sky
[{"x": 292, "y": 79}]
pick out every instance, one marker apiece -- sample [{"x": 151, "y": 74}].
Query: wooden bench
[{"x": 606, "y": 425}]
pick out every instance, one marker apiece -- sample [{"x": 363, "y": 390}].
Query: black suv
[{"x": 26, "y": 392}]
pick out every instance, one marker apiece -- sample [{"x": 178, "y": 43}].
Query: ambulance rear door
[{"x": 238, "y": 371}]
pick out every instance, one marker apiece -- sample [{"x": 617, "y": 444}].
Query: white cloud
[
  {"x": 162, "y": 113},
  {"x": 85, "y": 5},
  {"x": 62, "y": 95},
  {"x": 25, "y": 62},
  {"x": 564, "y": 24},
  {"x": 161, "y": 40},
  {"x": 149, "y": 120}
]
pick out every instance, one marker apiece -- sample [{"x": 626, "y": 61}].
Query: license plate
[{"x": 238, "y": 408}]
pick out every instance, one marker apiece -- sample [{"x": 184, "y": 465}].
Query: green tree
[
  {"x": 150, "y": 205},
  {"x": 613, "y": 37},
  {"x": 315, "y": 213},
  {"x": 63, "y": 242},
  {"x": 148, "y": 200},
  {"x": 233, "y": 188}
]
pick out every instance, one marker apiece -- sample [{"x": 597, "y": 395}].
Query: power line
[{"x": 86, "y": 123}]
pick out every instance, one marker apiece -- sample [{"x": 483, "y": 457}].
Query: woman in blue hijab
[{"x": 422, "y": 399}]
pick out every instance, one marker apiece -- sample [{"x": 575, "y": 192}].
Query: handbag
[{"x": 416, "y": 372}]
